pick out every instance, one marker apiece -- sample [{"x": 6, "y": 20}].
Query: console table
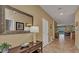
[{"x": 32, "y": 47}]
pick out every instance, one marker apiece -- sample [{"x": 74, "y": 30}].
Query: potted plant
[{"x": 4, "y": 47}]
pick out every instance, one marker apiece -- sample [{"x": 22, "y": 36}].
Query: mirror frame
[{"x": 12, "y": 8}]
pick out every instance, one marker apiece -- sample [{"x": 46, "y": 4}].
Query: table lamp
[{"x": 34, "y": 30}]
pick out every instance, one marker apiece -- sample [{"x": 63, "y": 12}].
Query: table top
[{"x": 19, "y": 49}]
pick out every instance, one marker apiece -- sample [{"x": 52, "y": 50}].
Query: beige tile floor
[{"x": 61, "y": 46}]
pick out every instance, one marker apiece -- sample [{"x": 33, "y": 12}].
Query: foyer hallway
[{"x": 61, "y": 45}]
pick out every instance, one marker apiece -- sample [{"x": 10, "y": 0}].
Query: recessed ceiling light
[
  {"x": 61, "y": 13},
  {"x": 59, "y": 8}
]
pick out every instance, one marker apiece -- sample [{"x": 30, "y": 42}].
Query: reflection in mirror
[
  {"x": 19, "y": 26},
  {"x": 14, "y": 26},
  {"x": 17, "y": 21},
  {"x": 10, "y": 25}
]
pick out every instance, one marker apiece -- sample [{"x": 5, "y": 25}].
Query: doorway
[{"x": 45, "y": 32}]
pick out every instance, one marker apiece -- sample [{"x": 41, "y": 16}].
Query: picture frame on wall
[{"x": 19, "y": 26}]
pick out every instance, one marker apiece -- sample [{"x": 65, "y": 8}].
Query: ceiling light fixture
[
  {"x": 59, "y": 8},
  {"x": 61, "y": 13}
]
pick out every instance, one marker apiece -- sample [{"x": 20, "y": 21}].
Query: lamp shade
[{"x": 34, "y": 29}]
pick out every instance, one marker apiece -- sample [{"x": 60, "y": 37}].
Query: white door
[{"x": 45, "y": 32}]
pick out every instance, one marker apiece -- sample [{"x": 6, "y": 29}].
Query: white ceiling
[{"x": 68, "y": 13}]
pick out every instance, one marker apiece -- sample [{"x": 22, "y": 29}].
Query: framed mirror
[{"x": 15, "y": 21}]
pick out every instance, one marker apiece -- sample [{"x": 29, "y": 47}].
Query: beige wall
[
  {"x": 77, "y": 32},
  {"x": 38, "y": 15}
]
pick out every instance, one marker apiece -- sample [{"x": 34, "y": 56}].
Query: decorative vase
[{"x": 5, "y": 50}]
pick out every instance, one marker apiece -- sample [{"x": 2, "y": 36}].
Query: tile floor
[{"x": 61, "y": 45}]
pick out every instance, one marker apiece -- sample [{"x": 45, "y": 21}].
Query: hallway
[{"x": 61, "y": 46}]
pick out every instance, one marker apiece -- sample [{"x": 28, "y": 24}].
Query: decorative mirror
[{"x": 14, "y": 20}]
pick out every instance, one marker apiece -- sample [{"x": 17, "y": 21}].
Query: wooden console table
[{"x": 32, "y": 47}]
